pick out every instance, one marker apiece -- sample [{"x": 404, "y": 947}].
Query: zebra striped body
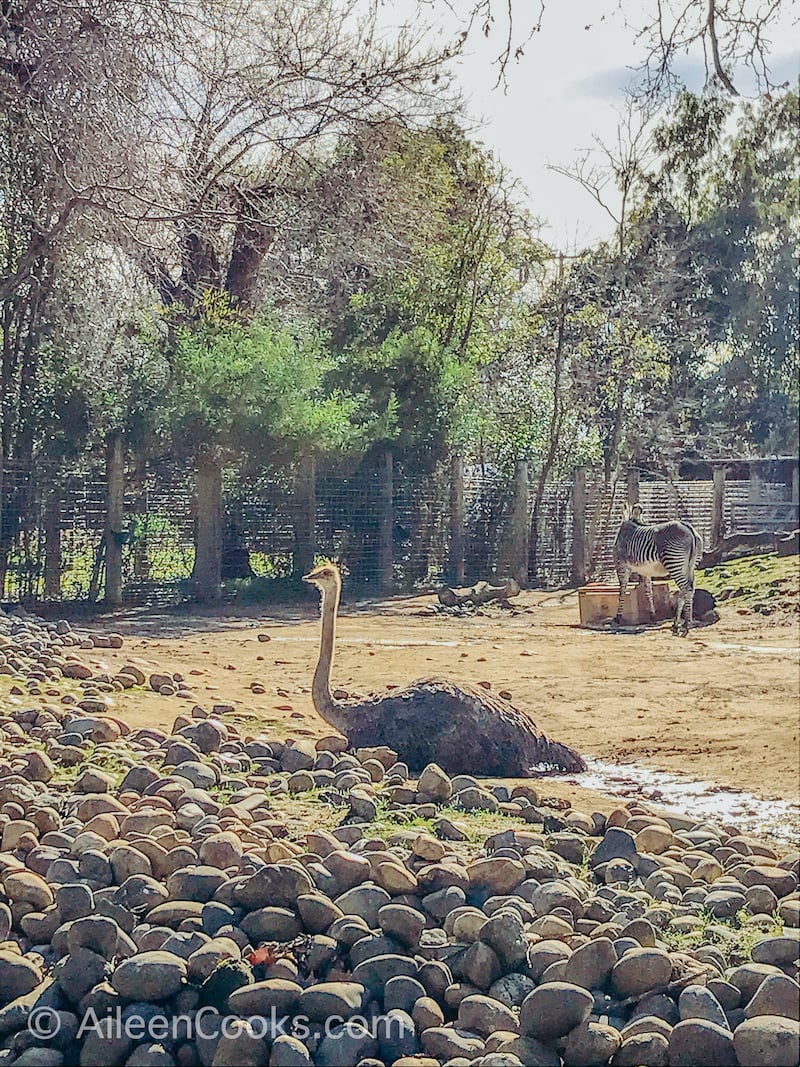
[{"x": 668, "y": 550}]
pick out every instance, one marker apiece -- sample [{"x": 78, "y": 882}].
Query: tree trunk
[
  {"x": 52, "y": 545},
  {"x": 305, "y": 520},
  {"x": 207, "y": 570},
  {"x": 456, "y": 554},
  {"x": 386, "y": 528},
  {"x": 115, "y": 491}
]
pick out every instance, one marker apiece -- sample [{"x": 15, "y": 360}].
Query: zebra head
[{"x": 633, "y": 513}]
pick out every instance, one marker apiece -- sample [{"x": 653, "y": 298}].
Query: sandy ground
[{"x": 721, "y": 705}]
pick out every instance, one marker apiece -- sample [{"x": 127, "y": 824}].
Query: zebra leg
[
  {"x": 622, "y": 574},
  {"x": 688, "y": 606},
  {"x": 651, "y": 609},
  {"x": 683, "y": 610}
]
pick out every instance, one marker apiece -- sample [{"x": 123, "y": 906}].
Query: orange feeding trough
[{"x": 598, "y": 602}]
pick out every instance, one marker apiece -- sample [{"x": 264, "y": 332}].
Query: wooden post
[
  {"x": 633, "y": 485},
  {"x": 579, "y": 502},
  {"x": 207, "y": 570},
  {"x": 2, "y": 534},
  {"x": 305, "y": 522},
  {"x": 795, "y": 483},
  {"x": 718, "y": 507},
  {"x": 386, "y": 524},
  {"x": 115, "y": 491},
  {"x": 520, "y": 524},
  {"x": 457, "y": 511},
  {"x": 52, "y": 545}
]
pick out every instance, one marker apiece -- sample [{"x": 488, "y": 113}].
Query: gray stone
[
  {"x": 278, "y": 884},
  {"x": 591, "y": 964},
  {"x": 777, "y": 950},
  {"x": 271, "y": 924},
  {"x": 768, "y": 1041},
  {"x": 512, "y": 989},
  {"x": 262, "y": 998},
  {"x": 724, "y": 903},
  {"x": 435, "y": 784},
  {"x": 149, "y": 976},
  {"x": 617, "y": 843},
  {"x": 749, "y": 977},
  {"x": 483, "y": 1015},
  {"x": 375, "y": 972},
  {"x": 553, "y": 1009},
  {"x": 364, "y": 901},
  {"x": 504, "y": 932},
  {"x": 288, "y": 1051},
  {"x": 641, "y": 970},
  {"x": 344, "y": 1045},
  {"x": 777, "y": 995},
  {"x": 241, "y": 1045},
  {"x": 402, "y": 922},
  {"x": 591, "y": 1044},
  {"x": 698, "y": 1002},
  {"x": 480, "y": 965},
  {"x": 325, "y": 999},
  {"x": 95, "y": 932},
  {"x": 642, "y": 1050},
  {"x": 700, "y": 1043},
  {"x": 195, "y": 883},
  {"x": 402, "y": 992},
  {"x": 530, "y": 1052},
  {"x": 78, "y": 972},
  {"x": 446, "y": 1043},
  {"x": 317, "y": 912}
]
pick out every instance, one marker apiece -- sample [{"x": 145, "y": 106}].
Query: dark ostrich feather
[{"x": 466, "y": 730}]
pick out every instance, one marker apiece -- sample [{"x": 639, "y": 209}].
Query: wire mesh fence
[{"x": 390, "y": 530}]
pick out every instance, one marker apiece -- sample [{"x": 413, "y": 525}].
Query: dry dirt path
[{"x": 721, "y": 705}]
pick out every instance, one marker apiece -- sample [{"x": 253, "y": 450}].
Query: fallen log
[
  {"x": 480, "y": 593},
  {"x": 788, "y": 544},
  {"x": 736, "y": 545}
]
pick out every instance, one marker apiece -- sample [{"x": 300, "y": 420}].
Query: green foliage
[
  {"x": 252, "y": 388},
  {"x": 416, "y": 338}
]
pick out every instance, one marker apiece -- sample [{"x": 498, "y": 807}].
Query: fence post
[
  {"x": 520, "y": 524},
  {"x": 207, "y": 571},
  {"x": 305, "y": 522},
  {"x": 795, "y": 483},
  {"x": 633, "y": 485},
  {"x": 718, "y": 507},
  {"x": 579, "y": 502},
  {"x": 386, "y": 523},
  {"x": 52, "y": 545},
  {"x": 456, "y": 561},
  {"x": 2, "y": 534},
  {"x": 115, "y": 491}
]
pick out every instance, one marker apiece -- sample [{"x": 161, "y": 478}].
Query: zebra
[{"x": 668, "y": 550}]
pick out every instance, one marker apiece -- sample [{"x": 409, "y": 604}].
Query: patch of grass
[
  {"x": 736, "y": 948},
  {"x": 763, "y": 579}
]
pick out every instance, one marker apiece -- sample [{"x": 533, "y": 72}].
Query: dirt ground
[{"x": 721, "y": 705}]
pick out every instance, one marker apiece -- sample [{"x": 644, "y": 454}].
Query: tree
[
  {"x": 731, "y": 36},
  {"x": 242, "y": 392}
]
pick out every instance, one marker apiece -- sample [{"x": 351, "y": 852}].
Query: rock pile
[{"x": 159, "y": 907}]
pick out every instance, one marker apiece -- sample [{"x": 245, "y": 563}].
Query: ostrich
[{"x": 463, "y": 729}]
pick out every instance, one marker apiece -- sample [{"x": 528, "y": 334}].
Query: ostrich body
[{"x": 464, "y": 729}]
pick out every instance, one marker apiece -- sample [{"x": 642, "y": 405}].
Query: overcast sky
[{"x": 567, "y": 88}]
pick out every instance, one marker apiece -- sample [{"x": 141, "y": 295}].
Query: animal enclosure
[{"x": 391, "y": 528}]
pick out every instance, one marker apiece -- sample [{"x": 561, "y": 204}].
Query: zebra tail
[{"x": 557, "y": 758}]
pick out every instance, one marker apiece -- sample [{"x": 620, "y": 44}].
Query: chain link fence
[{"x": 395, "y": 534}]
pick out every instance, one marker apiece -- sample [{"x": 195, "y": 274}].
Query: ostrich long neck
[{"x": 327, "y": 708}]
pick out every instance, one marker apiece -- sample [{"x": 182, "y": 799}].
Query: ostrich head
[{"x": 326, "y": 577}]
